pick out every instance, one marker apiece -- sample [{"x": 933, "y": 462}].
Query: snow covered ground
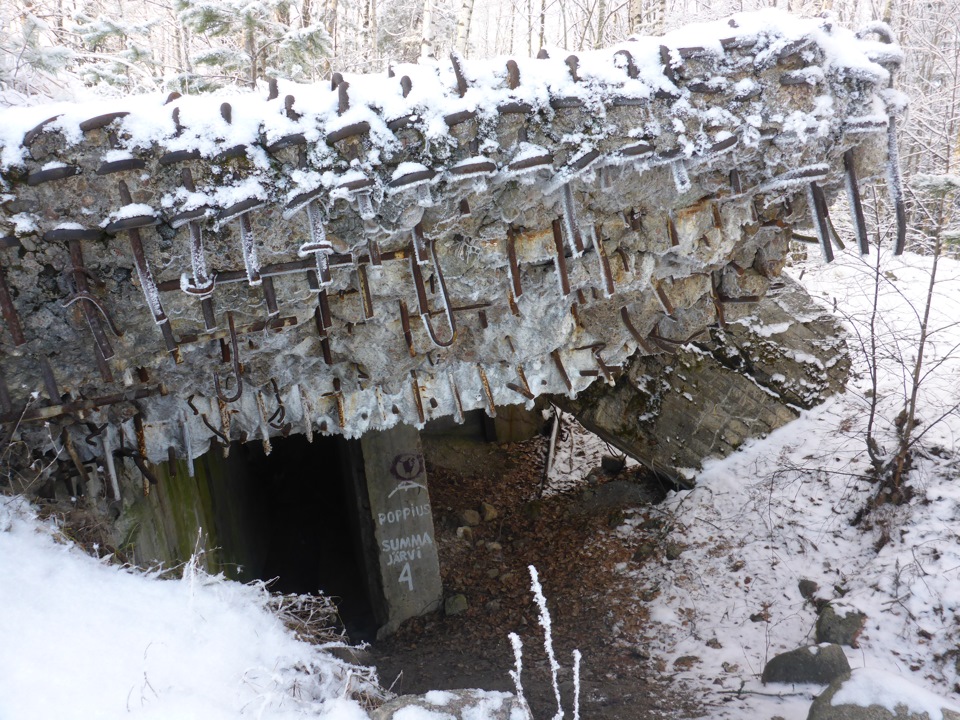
[
  {"x": 81, "y": 638},
  {"x": 782, "y": 509},
  {"x": 105, "y": 642}
]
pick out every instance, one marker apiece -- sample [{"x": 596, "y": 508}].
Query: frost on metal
[{"x": 399, "y": 247}]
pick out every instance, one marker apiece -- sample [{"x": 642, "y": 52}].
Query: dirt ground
[{"x": 571, "y": 540}]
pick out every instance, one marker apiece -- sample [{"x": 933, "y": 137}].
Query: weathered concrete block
[{"x": 403, "y": 524}]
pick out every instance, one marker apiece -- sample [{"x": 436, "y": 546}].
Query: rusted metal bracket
[
  {"x": 237, "y": 370},
  {"x": 422, "y": 297}
]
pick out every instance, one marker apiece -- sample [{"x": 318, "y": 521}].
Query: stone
[
  {"x": 673, "y": 550},
  {"x": 470, "y": 517},
  {"x": 451, "y": 705},
  {"x": 740, "y": 383},
  {"x": 507, "y": 577},
  {"x": 465, "y": 532},
  {"x": 808, "y": 588},
  {"x": 455, "y": 605},
  {"x": 644, "y": 550},
  {"x": 821, "y": 664},
  {"x": 493, "y": 573},
  {"x": 613, "y": 464},
  {"x": 494, "y": 547},
  {"x": 714, "y": 643},
  {"x": 488, "y": 512},
  {"x": 840, "y": 625},
  {"x": 909, "y": 702}
]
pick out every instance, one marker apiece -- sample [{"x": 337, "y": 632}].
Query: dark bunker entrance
[{"x": 295, "y": 519}]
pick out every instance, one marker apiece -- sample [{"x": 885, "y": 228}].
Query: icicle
[
  {"x": 250, "y": 259},
  {"x": 319, "y": 245},
  {"x": 264, "y": 432},
  {"x": 424, "y": 197},
  {"x": 681, "y": 179},
  {"x": 106, "y": 443},
  {"x": 570, "y": 222},
  {"x": 365, "y": 206},
  {"x": 198, "y": 260}
]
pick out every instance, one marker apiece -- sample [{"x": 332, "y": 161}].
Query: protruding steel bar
[
  {"x": 147, "y": 283},
  {"x": 262, "y": 417},
  {"x": 558, "y": 362},
  {"x": 270, "y": 295},
  {"x": 491, "y": 406},
  {"x": 856, "y": 206},
  {"x": 422, "y": 298},
  {"x": 605, "y": 271},
  {"x": 237, "y": 370},
  {"x": 818, "y": 209},
  {"x": 202, "y": 285},
  {"x": 560, "y": 260},
  {"x": 514, "y": 264},
  {"x": 341, "y": 410},
  {"x": 405, "y": 324},
  {"x": 6, "y": 404},
  {"x": 640, "y": 340},
  {"x": 366, "y": 299},
  {"x": 417, "y": 398},
  {"x": 83, "y": 293},
  {"x": 276, "y": 420},
  {"x": 49, "y": 381},
  {"x": 663, "y": 298},
  {"x": 9, "y": 311}
]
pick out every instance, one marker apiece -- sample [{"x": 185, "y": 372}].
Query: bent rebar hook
[
  {"x": 422, "y": 297},
  {"x": 236, "y": 366}
]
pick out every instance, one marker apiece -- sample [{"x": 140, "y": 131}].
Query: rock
[
  {"x": 506, "y": 577},
  {"x": 840, "y": 625},
  {"x": 493, "y": 606},
  {"x": 714, "y": 643},
  {"x": 450, "y": 705},
  {"x": 494, "y": 547},
  {"x": 821, "y": 664},
  {"x": 613, "y": 464},
  {"x": 686, "y": 662},
  {"x": 465, "y": 532},
  {"x": 455, "y": 605},
  {"x": 808, "y": 588},
  {"x": 470, "y": 517},
  {"x": 488, "y": 512},
  {"x": 492, "y": 573},
  {"x": 673, "y": 550},
  {"x": 895, "y": 697},
  {"x": 644, "y": 550}
]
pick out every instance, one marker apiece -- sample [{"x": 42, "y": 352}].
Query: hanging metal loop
[
  {"x": 236, "y": 366},
  {"x": 422, "y": 297}
]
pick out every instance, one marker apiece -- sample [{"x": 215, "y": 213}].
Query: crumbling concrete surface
[
  {"x": 741, "y": 381},
  {"x": 458, "y": 236}
]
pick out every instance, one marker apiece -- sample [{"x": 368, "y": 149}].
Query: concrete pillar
[{"x": 399, "y": 504}]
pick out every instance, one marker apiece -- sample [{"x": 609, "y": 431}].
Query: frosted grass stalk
[
  {"x": 576, "y": 684},
  {"x": 545, "y": 623},
  {"x": 517, "y": 645}
]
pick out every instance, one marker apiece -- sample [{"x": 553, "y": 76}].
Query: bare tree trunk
[
  {"x": 463, "y": 25},
  {"x": 250, "y": 45},
  {"x": 374, "y": 32},
  {"x": 543, "y": 22},
  {"x": 305, "y": 11},
  {"x": 601, "y": 21},
  {"x": 634, "y": 16},
  {"x": 426, "y": 38},
  {"x": 330, "y": 17},
  {"x": 530, "y": 28}
]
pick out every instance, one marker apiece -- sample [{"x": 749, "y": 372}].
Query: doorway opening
[{"x": 295, "y": 518}]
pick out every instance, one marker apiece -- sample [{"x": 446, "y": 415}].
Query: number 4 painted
[{"x": 406, "y": 576}]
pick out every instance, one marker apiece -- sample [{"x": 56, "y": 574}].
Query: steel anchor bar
[
  {"x": 147, "y": 283},
  {"x": 422, "y": 297}
]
